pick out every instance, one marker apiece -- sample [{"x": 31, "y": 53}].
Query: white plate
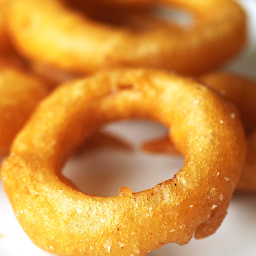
[{"x": 104, "y": 172}]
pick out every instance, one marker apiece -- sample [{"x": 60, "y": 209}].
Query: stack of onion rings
[
  {"x": 76, "y": 43},
  {"x": 195, "y": 200},
  {"x": 62, "y": 220},
  {"x": 242, "y": 92}
]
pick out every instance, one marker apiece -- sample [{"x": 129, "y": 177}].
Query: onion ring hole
[
  {"x": 115, "y": 168},
  {"x": 134, "y": 19}
]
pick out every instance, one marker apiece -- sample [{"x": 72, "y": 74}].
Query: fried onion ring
[
  {"x": 20, "y": 93},
  {"x": 62, "y": 220},
  {"x": 242, "y": 92},
  {"x": 79, "y": 44},
  {"x": 7, "y": 53}
]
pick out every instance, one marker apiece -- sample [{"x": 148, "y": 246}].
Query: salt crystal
[
  {"x": 78, "y": 210},
  {"x": 136, "y": 250},
  {"x": 108, "y": 244},
  {"x": 121, "y": 244},
  {"x": 214, "y": 206}
]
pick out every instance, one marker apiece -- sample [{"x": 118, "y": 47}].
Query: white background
[{"x": 104, "y": 172}]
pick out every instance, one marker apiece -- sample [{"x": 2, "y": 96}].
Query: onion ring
[
  {"x": 7, "y": 53},
  {"x": 76, "y": 43},
  {"x": 20, "y": 93},
  {"x": 242, "y": 92},
  {"x": 61, "y": 219}
]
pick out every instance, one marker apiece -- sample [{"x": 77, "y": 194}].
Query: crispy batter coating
[
  {"x": 62, "y": 220},
  {"x": 77, "y": 43},
  {"x": 20, "y": 93},
  {"x": 242, "y": 92}
]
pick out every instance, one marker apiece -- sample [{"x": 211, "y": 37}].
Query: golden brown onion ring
[
  {"x": 20, "y": 93},
  {"x": 77, "y": 43},
  {"x": 242, "y": 92},
  {"x": 61, "y": 219},
  {"x": 7, "y": 53}
]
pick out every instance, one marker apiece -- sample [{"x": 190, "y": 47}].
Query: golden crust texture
[
  {"x": 77, "y": 43},
  {"x": 20, "y": 93},
  {"x": 242, "y": 92},
  {"x": 62, "y": 220}
]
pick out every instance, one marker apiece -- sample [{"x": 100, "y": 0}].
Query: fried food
[
  {"x": 7, "y": 54},
  {"x": 78, "y": 43},
  {"x": 242, "y": 92},
  {"x": 20, "y": 93},
  {"x": 62, "y": 220},
  {"x": 4, "y": 44}
]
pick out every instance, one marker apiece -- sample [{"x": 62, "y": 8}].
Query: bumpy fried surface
[
  {"x": 20, "y": 93},
  {"x": 242, "y": 92},
  {"x": 62, "y": 220},
  {"x": 77, "y": 43}
]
